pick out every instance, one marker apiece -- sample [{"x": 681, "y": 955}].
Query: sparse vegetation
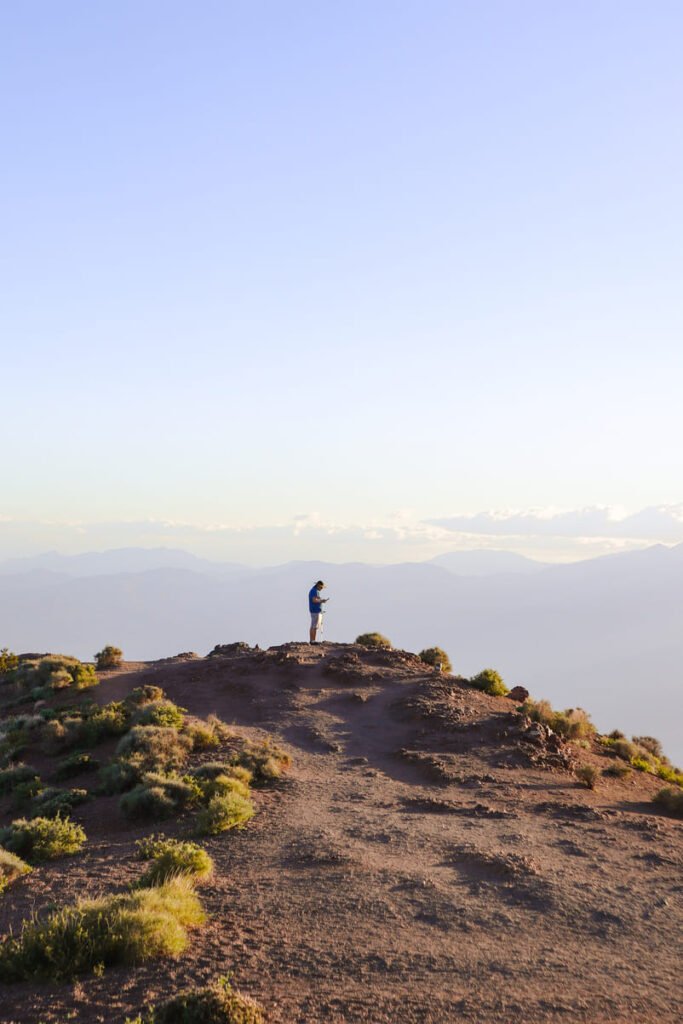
[
  {"x": 572, "y": 724},
  {"x": 652, "y": 745},
  {"x": 124, "y": 929},
  {"x": 266, "y": 761},
  {"x": 161, "y": 712},
  {"x": 8, "y": 661},
  {"x": 42, "y": 838},
  {"x": 108, "y": 657},
  {"x": 54, "y": 672},
  {"x": 587, "y": 775},
  {"x": 436, "y": 657},
  {"x": 16, "y": 775},
  {"x": 76, "y": 765},
  {"x": 171, "y": 858},
  {"x": 51, "y": 802},
  {"x": 154, "y": 747},
  {"x": 217, "y": 1004},
  {"x": 146, "y": 694},
  {"x": 223, "y": 813},
  {"x": 670, "y": 799},
  {"x": 618, "y": 770},
  {"x": 489, "y": 681},
  {"x": 640, "y": 753},
  {"x": 374, "y": 640},
  {"x": 160, "y": 796},
  {"x": 11, "y": 868}
]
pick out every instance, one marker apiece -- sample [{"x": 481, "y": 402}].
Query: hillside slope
[{"x": 428, "y": 858}]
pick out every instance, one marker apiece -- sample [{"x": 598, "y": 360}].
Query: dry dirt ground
[{"x": 419, "y": 863}]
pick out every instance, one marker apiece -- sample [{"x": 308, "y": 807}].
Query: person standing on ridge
[{"x": 315, "y": 607}]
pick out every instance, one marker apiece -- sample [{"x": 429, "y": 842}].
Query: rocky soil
[{"x": 429, "y": 858}]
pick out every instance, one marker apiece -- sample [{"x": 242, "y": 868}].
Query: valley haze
[{"x": 604, "y": 634}]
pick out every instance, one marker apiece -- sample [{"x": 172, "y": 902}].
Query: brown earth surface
[{"x": 424, "y": 861}]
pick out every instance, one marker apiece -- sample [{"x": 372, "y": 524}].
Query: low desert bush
[
  {"x": 170, "y": 858},
  {"x": 212, "y": 769},
  {"x": 618, "y": 770},
  {"x": 671, "y": 799},
  {"x": 572, "y": 724},
  {"x": 266, "y": 761},
  {"x": 157, "y": 748},
  {"x": 123, "y": 929},
  {"x": 146, "y": 694},
  {"x": 435, "y": 656},
  {"x": 652, "y": 745},
  {"x": 587, "y": 775},
  {"x": 669, "y": 774},
  {"x": 76, "y": 765},
  {"x": 11, "y": 868},
  {"x": 118, "y": 776},
  {"x": 221, "y": 785},
  {"x": 8, "y": 661},
  {"x": 55, "y": 672},
  {"x": 52, "y": 802},
  {"x": 42, "y": 838},
  {"x": 374, "y": 640},
  {"x": 223, "y": 813},
  {"x": 489, "y": 681},
  {"x": 160, "y": 796},
  {"x": 208, "y": 734},
  {"x": 17, "y": 775},
  {"x": 108, "y": 657},
  {"x": 217, "y": 1004},
  {"x": 642, "y": 764},
  {"x": 620, "y": 747},
  {"x": 161, "y": 712}
]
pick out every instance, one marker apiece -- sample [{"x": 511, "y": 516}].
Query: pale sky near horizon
[{"x": 365, "y": 262}]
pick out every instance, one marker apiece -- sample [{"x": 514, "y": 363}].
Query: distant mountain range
[{"x": 604, "y": 633}]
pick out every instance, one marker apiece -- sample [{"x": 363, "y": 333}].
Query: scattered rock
[{"x": 519, "y": 694}]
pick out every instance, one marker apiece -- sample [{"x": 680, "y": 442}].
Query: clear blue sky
[{"x": 265, "y": 259}]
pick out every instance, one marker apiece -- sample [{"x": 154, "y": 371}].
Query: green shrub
[
  {"x": 146, "y": 694},
  {"x": 212, "y": 769},
  {"x": 11, "y": 868},
  {"x": 572, "y": 724},
  {"x": 50, "y": 802},
  {"x": 160, "y": 796},
  {"x": 649, "y": 743},
  {"x": 266, "y": 761},
  {"x": 161, "y": 712},
  {"x": 16, "y": 775},
  {"x": 374, "y": 640},
  {"x": 124, "y": 929},
  {"x": 55, "y": 672},
  {"x": 587, "y": 775},
  {"x": 618, "y": 769},
  {"x": 221, "y": 785},
  {"x": 8, "y": 661},
  {"x": 208, "y": 734},
  {"x": 25, "y": 792},
  {"x": 110, "y": 720},
  {"x": 436, "y": 657},
  {"x": 223, "y": 813},
  {"x": 157, "y": 748},
  {"x": 76, "y": 765},
  {"x": 671, "y": 799},
  {"x": 641, "y": 764},
  {"x": 620, "y": 748},
  {"x": 217, "y": 1004},
  {"x": 489, "y": 681},
  {"x": 42, "y": 838},
  {"x": 171, "y": 858},
  {"x": 118, "y": 776},
  {"x": 108, "y": 657},
  {"x": 669, "y": 774}
]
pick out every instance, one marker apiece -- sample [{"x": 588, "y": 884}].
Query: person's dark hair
[{"x": 320, "y": 583}]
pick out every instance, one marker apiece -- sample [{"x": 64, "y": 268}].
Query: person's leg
[
  {"x": 315, "y": 619},
  {"x": 312, "y": 634}
]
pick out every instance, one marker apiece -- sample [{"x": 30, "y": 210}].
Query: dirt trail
[{"x": 413, "y": 867}]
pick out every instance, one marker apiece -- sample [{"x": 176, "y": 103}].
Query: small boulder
[{"x": 519, "y": 694}]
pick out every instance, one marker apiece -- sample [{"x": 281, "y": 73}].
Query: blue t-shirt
[{"x": 312, "y": 606}]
